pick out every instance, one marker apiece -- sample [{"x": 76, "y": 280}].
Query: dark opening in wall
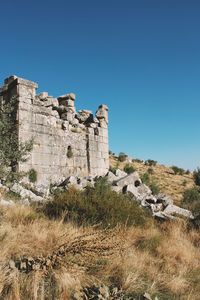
[
  {"x": 137, "y": 183},
  {"x": 96, "y": 131},
  {"x": 69, "y": 152}
]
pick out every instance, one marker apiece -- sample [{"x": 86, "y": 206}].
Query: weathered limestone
[
  {"x": 65, "y": 142},
  {"x": 175, "y": 210},
  {"x": 129, "y": 179},
  {"x": 160, "y": 205}
]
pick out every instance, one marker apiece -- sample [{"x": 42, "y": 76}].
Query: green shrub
[
  {"x": 122, "y": 157},
  {"x": 129, "y": 169},
  {"x": 196, "y": 221},
  {"x": 196, "y": 176},
  {"x": 151, "y": 183},
  {"x": 145, "y": 178},
  {"x": 12, "y": 196},
  {"x": 11, "y": 151},
  {"x": 32, "y": 175},
  {"x": 154, "y": 188},
  {"x": 187, "y": 172},
  {"x": 99, "y": 205},
  {"x": 191, "y": 200},
  {"x": 137, "y": 160},
  {"x": 150, "y": 162},
  {"x": 177, "y": 170}
]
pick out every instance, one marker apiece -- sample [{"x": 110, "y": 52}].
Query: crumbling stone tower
[{"x": 66, "y": 142}]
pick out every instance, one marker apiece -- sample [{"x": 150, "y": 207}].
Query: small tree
[
  {"x": 196, "y": 176},
  {"x": 177, "y": 170},
  {"x": 191, "y": 200},
  {"x": 129, "y": 169},
  {"x": 122, "y": 157},
  {"x": 150, "y": 162},
  {"x": 11, "y": 150}
]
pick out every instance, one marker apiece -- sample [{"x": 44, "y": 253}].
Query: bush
[
  {"x": 150, "y": 162},
  {"x": 99, "y": 205},
  {"x": 122, "y": 157},
  {"x": 154, "y": 188},
  {"x": 196, "y": 176},
  {"x": 177, "y": 170},
  {"x": 191, "y": 200},
  {"x": 11, "y": 151},
  {"x": 137, "y": 160},
  {"x": 145, "y": 178},
  {"x": 129, "y": 169},
  {"x": 32, "y": 175}
]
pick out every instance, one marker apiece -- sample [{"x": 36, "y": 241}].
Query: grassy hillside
[
  {"x": 162, "y": 260},
  {"x": 170, "y": 184},
  {"x": 83, "y": 241}
]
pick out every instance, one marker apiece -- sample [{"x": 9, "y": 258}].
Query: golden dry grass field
[{"x": 162, "y": 260}]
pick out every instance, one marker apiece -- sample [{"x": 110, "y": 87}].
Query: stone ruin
[
  {"x": 65, "y": 141},
  {"x": 70, "y": 148}
]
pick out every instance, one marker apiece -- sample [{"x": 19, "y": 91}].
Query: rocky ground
[
  {"x": 160, "y": 205},
  {"x": 170, "y": 184}
]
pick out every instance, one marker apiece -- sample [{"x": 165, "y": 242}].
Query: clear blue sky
[{"x": 140, "y": 57}]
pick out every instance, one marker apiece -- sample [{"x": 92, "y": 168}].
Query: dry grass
[
  {"x": 172, "y": 185},
  {"x": 160, "y": 261},
  {"x": 163, "y": 259}
]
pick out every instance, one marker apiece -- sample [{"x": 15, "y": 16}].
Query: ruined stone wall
[{"x": 65, "y": 141}]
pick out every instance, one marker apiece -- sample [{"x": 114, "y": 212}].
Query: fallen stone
[
  {"x": 116, "y": 188},
  {"x": 164, "y": 199},
  {"x": 144, "y": 191},
  {"x": 131, "y": 189},
  {"x": 147, "y": 296},
  {"x": 162, "y": 216},
  {"x": 156, "y": 207},
  {"x": 25, "y": 202},
  {"x": 119, "y": 173},
  {"x": 111, "y": 177},
  {"x": 68, "y": 180},
  {"x": 132, "y": 178},
  {"x": 6, "y": 202},
  {"x": 24, "y": 193},
  {"x": 176, "y": 210},
  {"x": 4, "y": 188}
]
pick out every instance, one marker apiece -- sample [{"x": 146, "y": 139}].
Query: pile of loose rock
[
  {"x": 160, "y": 205},
  {"x": 103, "y": 292}
]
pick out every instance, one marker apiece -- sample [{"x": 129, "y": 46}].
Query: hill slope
[{"x": 169, "y": 183}]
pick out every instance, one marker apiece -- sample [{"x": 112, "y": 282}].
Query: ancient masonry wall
[{"x": 65, "y": 141}]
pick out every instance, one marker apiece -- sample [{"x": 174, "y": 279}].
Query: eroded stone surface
[{"x": 56, "y": 127}]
